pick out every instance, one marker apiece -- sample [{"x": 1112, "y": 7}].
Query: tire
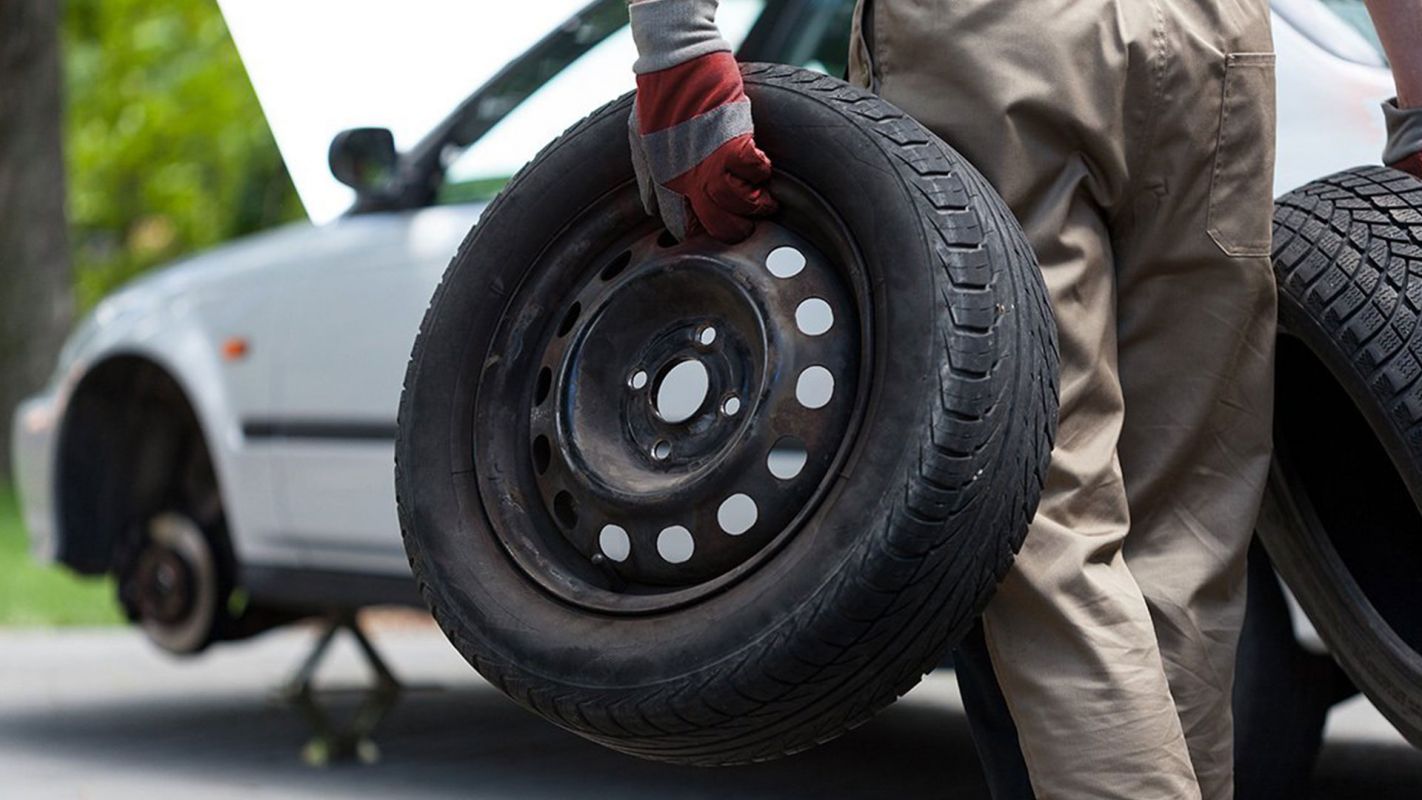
[
  {"x": 1340, "y": 513},
  {"x": 921, "y": 510}
]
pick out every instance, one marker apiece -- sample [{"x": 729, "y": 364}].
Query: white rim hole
[
  {"x": 787, "y": 458},
  {"x": 731, "y": 407},
  {"x": 675, "y": 544},
  {"x": 707, "y": 337},
  {"x": 614, "y": 542},
  {"x": 785, "y": 262},
  {"x": 661, "y": 450},
  {"x": 682, "y": 391},
  {"x": 638, "y": 379},
  {"x": 737, "y": 514},
  {"x": 814, "y": 387},
  {"x": 814, "y": 317}
]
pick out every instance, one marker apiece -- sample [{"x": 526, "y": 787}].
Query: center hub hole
[{"x": 682, "y": 391}]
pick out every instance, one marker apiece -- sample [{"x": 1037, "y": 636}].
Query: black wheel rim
[{"x": 655, "y": 419}]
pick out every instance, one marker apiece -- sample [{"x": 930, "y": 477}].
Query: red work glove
[
  {"x": 1404, "y": 138},
  {"x": 691, "y": 131}
]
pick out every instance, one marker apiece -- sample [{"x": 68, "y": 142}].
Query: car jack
[{"x": 332, "y": 741}]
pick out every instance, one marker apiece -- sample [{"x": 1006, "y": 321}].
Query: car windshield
[{"x": 817, "y": 38}]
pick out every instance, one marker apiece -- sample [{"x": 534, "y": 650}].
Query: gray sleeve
[
  {"x": 671, "y": 32},
  {"x": 1404, "y": 132}
]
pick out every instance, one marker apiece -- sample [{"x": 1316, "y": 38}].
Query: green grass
[{"x": 33, "y": 595}]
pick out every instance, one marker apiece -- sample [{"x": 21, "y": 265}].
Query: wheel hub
[{"x": 691, "y": 401}]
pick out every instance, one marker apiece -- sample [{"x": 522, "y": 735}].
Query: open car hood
[{"x": 321, "y": 66}]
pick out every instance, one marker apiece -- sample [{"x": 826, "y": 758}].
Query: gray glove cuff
[
  {"x": 1404, "y": 132},
  {"x": 671, "y": 32}
]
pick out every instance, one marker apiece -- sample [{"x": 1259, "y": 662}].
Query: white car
[{"x": 220, "y": 433}]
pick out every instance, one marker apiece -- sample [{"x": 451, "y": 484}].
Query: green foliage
[
  {"x": 32, "y": 595},
  {"x": 167, "y": 148}
]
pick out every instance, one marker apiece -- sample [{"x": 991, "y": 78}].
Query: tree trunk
[{"x": 35, "y": 280}]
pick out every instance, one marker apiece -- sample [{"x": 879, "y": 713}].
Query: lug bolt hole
[
  {"x": 638, "y": 379},
  {"x": 707, "y": 336},
  {"x": 661, "y": 450},
  {"x": 731, "y": 406}
]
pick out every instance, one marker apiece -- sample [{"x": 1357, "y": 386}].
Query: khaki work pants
[{"x": 1134, "y": 139}]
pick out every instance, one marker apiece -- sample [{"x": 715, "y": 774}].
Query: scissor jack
[{"x": 332, "y": 741}]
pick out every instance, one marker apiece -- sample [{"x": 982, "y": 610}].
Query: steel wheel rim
[{"x": 596, "y": 492}]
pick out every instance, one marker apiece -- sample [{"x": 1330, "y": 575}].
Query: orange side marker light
[{"x": 235, "y": 348}]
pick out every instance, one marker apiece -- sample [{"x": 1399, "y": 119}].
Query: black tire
[
  {"x": 911, "y": 532},
  {"x": 1340, "y": 516}
]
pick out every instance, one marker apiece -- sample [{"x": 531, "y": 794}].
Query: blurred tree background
[
  {"x": 166, "y": 147},
  {"x": 165, "y": 151}
]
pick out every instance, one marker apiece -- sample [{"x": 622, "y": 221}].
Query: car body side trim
[{"x": 348, "y": 430}]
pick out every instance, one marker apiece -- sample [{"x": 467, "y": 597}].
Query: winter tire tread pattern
[{"x": 1348, "y": 260}]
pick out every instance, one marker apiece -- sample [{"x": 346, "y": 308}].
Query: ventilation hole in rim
[
  {"x": 814, "y": 387},
  {"x": 785, "y": 262},
  {"x": 707, "y": 336},
  {"x": 737, "y": 514},
  {"x": 814, "y": 317},
  {"x": 666, "y": 239},
  {"x": 618, "y": 264},
  {"x": 542, "y": 454},
  {"x": 732, "y": 406},
  {"x": 638, "y": 379},
  {"x": 564, "y": 509},
  {"x": 614, "y": 542},
  {"x": 787, "y": 458},
  {"x": 545, "y": 382},
  {"x": 675, "y": 545},
  {"x": 570, "y": 319},
  {"x": 661, "y": 450},
  {"x": 682, "y": 391}
]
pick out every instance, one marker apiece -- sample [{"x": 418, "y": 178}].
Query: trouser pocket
[{"x": 1241, "y": 187}]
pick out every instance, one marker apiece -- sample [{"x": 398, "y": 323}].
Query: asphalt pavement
[{"x": 102, "y": 714}]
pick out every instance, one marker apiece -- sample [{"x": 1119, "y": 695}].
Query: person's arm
[
  {"x": 1399, "y": 25},
  {"x": 691, "y": 133}
]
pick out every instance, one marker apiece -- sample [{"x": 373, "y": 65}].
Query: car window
[{"x": 820, "y": 40}]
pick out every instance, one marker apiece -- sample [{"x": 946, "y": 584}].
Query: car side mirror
[{"x": 363, "y": 158}]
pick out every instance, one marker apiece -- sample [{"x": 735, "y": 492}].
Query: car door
[{"x": 345, "y": 329}]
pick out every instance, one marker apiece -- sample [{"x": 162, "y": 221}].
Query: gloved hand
[
  {"x": 1404, "y": 138},
  {"x": 691, "y": 131}
]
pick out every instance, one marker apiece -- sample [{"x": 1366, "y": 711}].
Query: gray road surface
[{"x": 101, "y": 714}]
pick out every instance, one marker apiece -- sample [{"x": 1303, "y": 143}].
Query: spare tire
[
  {"x": 759, "y": 558},
  {"x": 1340, "y": 517}
]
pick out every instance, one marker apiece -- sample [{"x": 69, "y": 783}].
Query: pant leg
[
  {"x": 1034, "y": 93},
  {"x": 989, "y": 718},
  {"x": 1196, "y": 323}
]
